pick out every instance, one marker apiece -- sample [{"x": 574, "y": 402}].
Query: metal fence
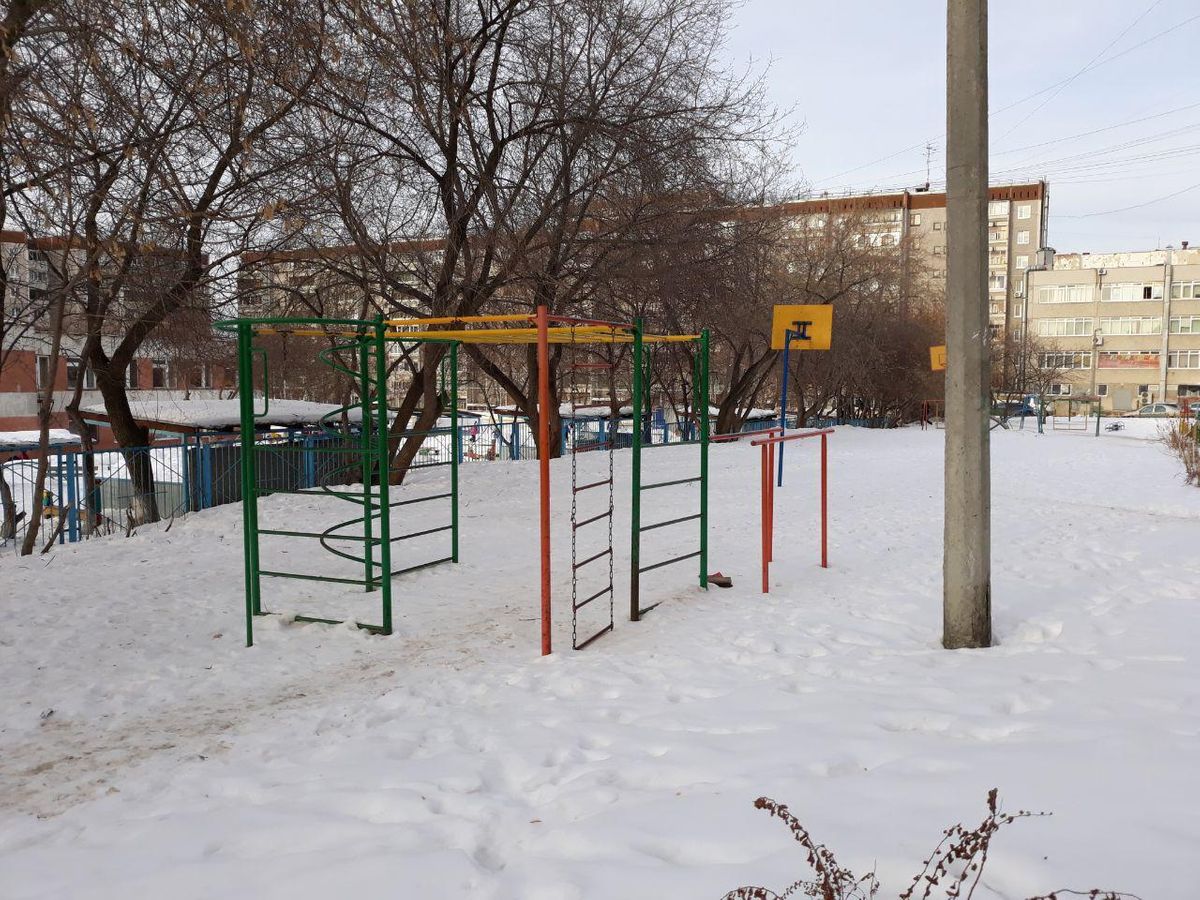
[{"x": 204, "y": 471}]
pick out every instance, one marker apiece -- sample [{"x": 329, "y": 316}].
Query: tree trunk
[
  {"x": 8, "y": 521},
  {"x": 133, "y": 440}
]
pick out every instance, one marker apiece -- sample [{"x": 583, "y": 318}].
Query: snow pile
[
  {"x": 31, "y": 440},
  {"x": 449, "y": 760}
]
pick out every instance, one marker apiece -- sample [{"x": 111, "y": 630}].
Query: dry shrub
[
  {"x": 1183, "y": 444},
  {"x": 952, "y": 871}
]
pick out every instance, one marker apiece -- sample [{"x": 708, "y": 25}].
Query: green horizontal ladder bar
[
  {"x": 662, "y": 484},
  {"x": 669, "y": 562},
  {"x": 670, "y": 522}
]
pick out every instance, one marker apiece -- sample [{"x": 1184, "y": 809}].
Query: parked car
[{"x": 1156, "y": 410}]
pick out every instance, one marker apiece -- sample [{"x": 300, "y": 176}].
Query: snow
[
  {"x": 31, "y": 440},
  {"x": 449, "y": 760},
  {"x": 209, "y": 413}
]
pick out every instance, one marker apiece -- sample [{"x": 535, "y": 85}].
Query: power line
[
  {"x": 1112, "y": 212},
  {"x": 1089, "y": 68},
  {"x": 1065, "y": 84}
]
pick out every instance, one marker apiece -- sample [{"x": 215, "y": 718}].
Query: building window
[
  {"x": 1060, "y": 390},
  {"x": 997, "y": 281},
  {"x": 89, "y": 377},
  {"x": 1131, "y": 324},
  {"x": 1024, "y": 211},
  {"x": 937, "y": 226},
  {"x": 998, "y": 208},
  {"x": 1185, "y": 325},
  {"x": 1185, "y": 290},
  {"x": 1102, "y": 390},
  {"x": 199, "y": 377},
  {"x": 1183, "y": 359},
  {"x": 131, "y": 375},
  {"x": 1022, "y": 262},
  {"x": 1130, "y": 292},
  {"x": 43, "y": 371},
  {"x": 914, "y": 219},
  {"x": 1128, "y": 359},
  {"x": 1017, "y": 311},
  {"x": 1022, "y": 237},
  {"x": 158, "y": 373},
  {"x": 1069, "y": 360},
  {"x": 1065, "y": 293},
  {"x": 1077, "y": 327},
  {"x": 939, "y": 250}
]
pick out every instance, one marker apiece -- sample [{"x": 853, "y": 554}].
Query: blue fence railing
[{"x": 205, "y": 471}]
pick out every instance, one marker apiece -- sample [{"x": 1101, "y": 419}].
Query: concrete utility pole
[{"x": 966, "y": 588}]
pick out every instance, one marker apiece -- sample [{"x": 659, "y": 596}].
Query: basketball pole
[{"x": 966, "y": 587}]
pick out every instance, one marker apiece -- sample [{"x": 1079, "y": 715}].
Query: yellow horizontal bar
[{"x": 454, "y": 320}]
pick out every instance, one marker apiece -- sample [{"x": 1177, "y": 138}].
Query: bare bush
[
  {"x": 952, "y": 871},
  {"x": 1184, "y": 445}
]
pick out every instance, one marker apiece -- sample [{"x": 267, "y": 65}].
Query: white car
[{"x": 1156, "y": 410}]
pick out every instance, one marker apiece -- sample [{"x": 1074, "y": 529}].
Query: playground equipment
[
  {"x": 361, "y": 451},
  {"x": 767, "y": 495}
]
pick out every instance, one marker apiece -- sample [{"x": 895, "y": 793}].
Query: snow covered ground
[{"x": 144, "y": 752}]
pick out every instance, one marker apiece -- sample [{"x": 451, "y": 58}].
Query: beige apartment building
[
  {"x": 1017, "y": 216},
  {"x": 1123, "y": 326}
]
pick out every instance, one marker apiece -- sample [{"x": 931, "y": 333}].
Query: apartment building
[
  {"x": 1017, "y": 216},
  {"x": 30, "y": 269},
  {"x": 1122, "y": 326}
]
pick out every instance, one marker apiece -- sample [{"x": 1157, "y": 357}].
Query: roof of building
[{"x": 197, "y": 415}]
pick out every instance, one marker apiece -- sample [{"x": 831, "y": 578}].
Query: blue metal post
[
  {"x": 516, "y": 443},
  {"x": 187, "y": 482},
  {"x": 72, "y": 511},
  {"x": 787, "y": 347}
]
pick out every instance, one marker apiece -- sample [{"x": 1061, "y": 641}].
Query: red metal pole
[
  {"x": 824, "y": 503},
  {"x": 771, "y": 505},
  {"x": 543, "y": 361},
  {"x": 764, "y": 491}
]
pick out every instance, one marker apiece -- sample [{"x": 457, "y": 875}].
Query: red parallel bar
[
  {"x": 770, "y": 448},
  {"x": 738, "y": 435},
  {"x": 824, "y": 502},
  {"x": 764, "y": 488},
  {"x": 572, "y": 320},
  {"x": 779, "y": 439}
]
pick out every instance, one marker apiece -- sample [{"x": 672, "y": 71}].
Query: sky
[{"x": 1101, "y": 97}]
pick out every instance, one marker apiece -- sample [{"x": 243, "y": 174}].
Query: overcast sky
[{"x": 866, "y": 79}]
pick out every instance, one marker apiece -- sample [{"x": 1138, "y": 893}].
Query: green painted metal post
[
  {"x": 368, "y": 464},
  {"x": 635, "y": 513},
  {"x": 246, "y": 404},
  {"x": 384, "y": 468},
  {"x": 704, "y": 429},
  {"x": 455, "y": 452}
]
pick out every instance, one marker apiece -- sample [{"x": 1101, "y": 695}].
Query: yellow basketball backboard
[
  {"x": 811, "y": 326},
  {"x": 937, "y": 358}
]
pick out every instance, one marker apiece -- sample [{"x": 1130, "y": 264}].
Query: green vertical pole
[
  {"x": 365, "y": 447},
  {"x": 249, "y": 525},
  {"x": 704, "y": 426},
  {"x": 635, "y": 515},
  {"x": 455, "y": 452},
  {"x": 382, "y": 464}
]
